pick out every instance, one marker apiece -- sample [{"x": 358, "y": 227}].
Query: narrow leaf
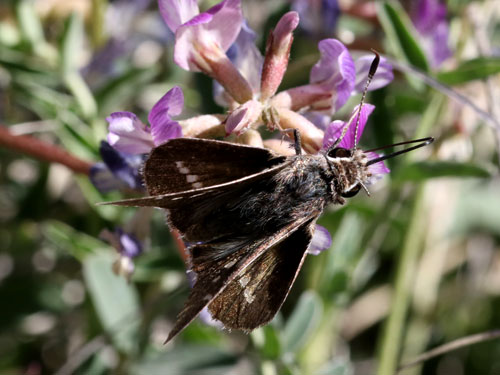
[
  {"x": 72, "y": 44},
  {"x": 402, "y": 38},
  {"x": 470, "y": 70}
]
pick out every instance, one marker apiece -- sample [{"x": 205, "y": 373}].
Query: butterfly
[{"x": 248, "y": 216}]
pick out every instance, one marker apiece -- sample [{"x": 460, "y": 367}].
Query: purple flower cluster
[{"x": 220, "y": 44}]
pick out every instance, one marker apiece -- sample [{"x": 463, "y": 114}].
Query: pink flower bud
[{"x": 277, "y": 54}]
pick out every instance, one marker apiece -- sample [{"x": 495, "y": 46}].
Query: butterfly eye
[
  {"x": 340, "y": 153},
  {"x": 351, "y": 193}
]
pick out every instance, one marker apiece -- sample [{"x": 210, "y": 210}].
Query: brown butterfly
[{"x": 248, "y": 216}]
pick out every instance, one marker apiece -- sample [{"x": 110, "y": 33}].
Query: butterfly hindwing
[
  {"x": 184, "y": 164},
  {"x": 254, "y": 297},
  {"x": 217, "y": 265}
]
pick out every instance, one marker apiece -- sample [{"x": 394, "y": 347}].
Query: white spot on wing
[
  {"x": 244, "y": 280},
  {"x": 249, "y": 297},
  {"x": 208, "y": 297},
  {"x": 230, "y": 264},
  {"x": 180, "y": 166},
  {"x": 197, "y": 185},
  {"x": 191, "y": 178}
]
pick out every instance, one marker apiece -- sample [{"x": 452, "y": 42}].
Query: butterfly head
[{"x": 351, "y": 172}]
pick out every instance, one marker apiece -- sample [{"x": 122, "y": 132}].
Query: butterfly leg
[{"x": 296, "y": 135}]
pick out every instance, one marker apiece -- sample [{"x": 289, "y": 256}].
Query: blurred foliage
[{"x": 412, "y": 267}]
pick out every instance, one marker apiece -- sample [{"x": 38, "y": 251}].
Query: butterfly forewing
[
  {"x": 185, "y": 164},
  {"x": 254, "y": 297}
]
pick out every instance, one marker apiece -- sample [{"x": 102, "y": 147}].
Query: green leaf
[
  {"x": 116, "y": 301},
  {"x": 71, "y": 47},
  {"x": 80, "y": 90},
  {"x": 32, "y": 31},
  {"x": 402, "y": 38},
  {"x": 78, "y": 244},
  {"x": 30, "y": 25},
  {"x": 72, "y": 44},
  {"x": 471, "y": 70},
  {"x": 271, "y": 346},
  {"x": 123, "y": 88},
  {"x": 304, "y": 319},
  {"x": 432, "y": 169}
]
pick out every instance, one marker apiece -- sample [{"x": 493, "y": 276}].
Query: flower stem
[
  {"x": 394, "y": 328},
  {"x": 42, "y": 151}
]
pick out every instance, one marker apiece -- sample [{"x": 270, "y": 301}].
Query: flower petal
[
  {"x": 128, "y": 134},
  {"x": 320, "y": 120},
  {"x": 124, "y": 167},
  {"x": 219, "y": 26},
  {"x": 226, "y": 22},
  {"x": 103, "y": 180},
  {"x": 130, "y": 246},
  {"x": 334, "y": 130},
  {"x": 317, "y": 18},
  {"x": 321, "y": 240},
  {"x": 243, "y": 117},
  {"x": 177, "y": 12},
  {"x": 247, "y": 58},
  {"x": 335, "y": 71},
  {"x": 382, "y": 77},
  {"x": 163, "y": 127},
  {"x": 429, "y": 18},
  {"x": 377, "y": 168}
]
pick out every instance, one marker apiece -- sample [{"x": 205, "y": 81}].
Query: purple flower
[
  {"x": 119, "y": 170},
  {"x": 321, "y": 240},
  {"x": 163, "y": 127},
  {"x": 128, "y": 246},
  {"x": 218, "y": 26},
  {"x": 382, "y": 77},
  {"x": 334, "y": 131},
  {"x": 337, "y": 73},
  {"x": 429, "y": 18},
  {"x": 128, "y": 134},
  {"x": 317, "y": 17},
  {"x": 333, "y": 80}
]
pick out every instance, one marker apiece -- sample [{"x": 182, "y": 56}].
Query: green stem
[{"x": 393, "y": 331}]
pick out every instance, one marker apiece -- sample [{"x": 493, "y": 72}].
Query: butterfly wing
[
  {"x": 197, "y": 212},
  {"x": 184, "y": 164},
  {"x": 254, "y": 297},
  {"x": 216, "y": 270}
]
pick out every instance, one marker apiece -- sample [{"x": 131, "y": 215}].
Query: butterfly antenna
[
  {"x": 371, "y": 73},
  {"x": 420, "y": 143}
]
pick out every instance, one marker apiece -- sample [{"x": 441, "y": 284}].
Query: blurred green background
[{"x": 412, "y": 267}]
